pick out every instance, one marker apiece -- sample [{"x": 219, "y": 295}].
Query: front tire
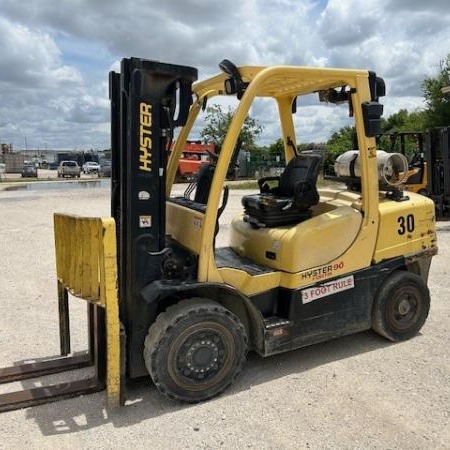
[
  {"x": 195, "y": 350},
  {"x": 401, "y": 306}
]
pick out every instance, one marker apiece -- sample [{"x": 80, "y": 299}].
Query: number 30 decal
[{"x": 405, "y": 224}]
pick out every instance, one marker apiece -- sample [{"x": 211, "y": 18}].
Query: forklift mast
[
  {"x": 148, "y": 100},
  {"x": 438, "y": 161}
]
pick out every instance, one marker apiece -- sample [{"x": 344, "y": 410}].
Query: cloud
[
  {"x": 42, "y": 97},
  {"x": 56, "y": 56},
  {"x": 438, "y": 6},
  {"x": 349, "y": 23},
  {"x": 85, "y": 109},
  {"x": 31, "y": 58}
]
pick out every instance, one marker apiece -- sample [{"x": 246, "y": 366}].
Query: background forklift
[
  {"x": 302, "y": 266},
  {"x": 412, "y": 146},
  {"x": 429, "y": 163},
  {"x": 438, "y": 161}
]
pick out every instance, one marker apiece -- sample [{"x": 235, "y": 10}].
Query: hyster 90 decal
[
  {"x": 322, "y": 272},
  {"x": 323, "y": 290}
]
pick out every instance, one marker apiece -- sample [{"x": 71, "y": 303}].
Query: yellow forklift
[
  {"x": 429, "y": 167},
  {"x": 417, "y": 175},
  {"x": 303, "y": 265}
]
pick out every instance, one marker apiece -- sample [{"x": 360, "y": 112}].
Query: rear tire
[
  {"x": 195, "y": 350},
  {"x": 401, "y": 306}
]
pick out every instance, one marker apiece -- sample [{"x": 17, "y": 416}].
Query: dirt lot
[{"x": 356, "y": 392}]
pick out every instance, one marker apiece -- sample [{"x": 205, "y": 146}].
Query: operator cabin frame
[{"x": 195, "y": 230}]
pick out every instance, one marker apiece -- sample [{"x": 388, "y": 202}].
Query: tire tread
[
  {"x": 379, "y": 323},
  {"x": 159, "y": 333}
]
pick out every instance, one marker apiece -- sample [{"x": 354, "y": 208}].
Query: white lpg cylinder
[{"x": 392, "y": 167}]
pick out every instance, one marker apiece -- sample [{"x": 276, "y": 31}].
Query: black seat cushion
[{"x": 290, "y": 201}]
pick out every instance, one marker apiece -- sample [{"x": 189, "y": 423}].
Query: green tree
[
  {"x": 341, "y": 141},
  {"x": 438, "y": 104},
  {"x": 277, "y": 147},
  {"x": 405, "y": 121},
  {"x": 318, "y": 147},
  {"x": 217, "y": 123}
]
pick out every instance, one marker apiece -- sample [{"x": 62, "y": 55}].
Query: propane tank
[{"x": 392, "y": 167}]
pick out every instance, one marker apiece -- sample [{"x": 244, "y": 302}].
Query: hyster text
[{"x": 145, "y": 137}]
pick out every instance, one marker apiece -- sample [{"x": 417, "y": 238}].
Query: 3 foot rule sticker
[{"x": 323, "y": 290}]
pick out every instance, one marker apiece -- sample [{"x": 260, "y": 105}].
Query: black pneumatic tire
[
  {"x": 195, "y": 350},
  {"x": 401, "y": 306}
]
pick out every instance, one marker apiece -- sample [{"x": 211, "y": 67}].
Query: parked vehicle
[
  {"x": 52, "y": 165},
  {"x": 29, "y": 171},
  {"x": 91, "y": 167},
  {"x": 194, "y": 155},
  {"x": 69, "y": 169},
  {"x": 105, "y": 169}
]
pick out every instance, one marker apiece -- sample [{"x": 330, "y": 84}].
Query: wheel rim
[
  {"x": 404, "y": 309},
  {"x": 201, "y": 357}
]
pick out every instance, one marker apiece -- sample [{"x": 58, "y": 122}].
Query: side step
[
  {"x": 277, "y": 326},
  {"x": 277, "y": 334}
]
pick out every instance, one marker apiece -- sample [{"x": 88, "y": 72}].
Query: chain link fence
[{"x": 257, "y": 165}]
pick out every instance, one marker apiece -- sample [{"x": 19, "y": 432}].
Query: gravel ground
[{"x": 356, "y": 392}]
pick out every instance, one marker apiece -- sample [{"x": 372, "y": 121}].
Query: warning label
[
  {"x": 145, "y": 221},
  {"x": 316, "y": 292}
]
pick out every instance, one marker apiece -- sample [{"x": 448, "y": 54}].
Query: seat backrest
[
  {"x": 203, "y": 183},
  {"x": 301, "y": 168}
]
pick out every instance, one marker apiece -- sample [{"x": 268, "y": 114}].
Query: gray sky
[{"x": 56, "y": 55}]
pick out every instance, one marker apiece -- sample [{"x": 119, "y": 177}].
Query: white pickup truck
[
  {"x": 69, "y": 169},
  {"x": 90, "y": 167}
]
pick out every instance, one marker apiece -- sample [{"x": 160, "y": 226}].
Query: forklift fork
[{"x": 86, "y": 268}]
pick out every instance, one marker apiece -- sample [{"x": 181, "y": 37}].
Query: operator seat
[
  {"x": 290, "y": 201},
  {"x": 202, "y": 187},
  {"x": 203, "y": 183}
]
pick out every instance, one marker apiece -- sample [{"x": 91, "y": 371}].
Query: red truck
[{"x": 194, "y": 155}]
